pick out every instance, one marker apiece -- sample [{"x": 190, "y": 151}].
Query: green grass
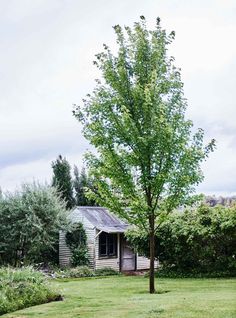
[{"x": 123, "y": 297}]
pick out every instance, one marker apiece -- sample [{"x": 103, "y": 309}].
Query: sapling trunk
[{"x": 152, "y": 255}]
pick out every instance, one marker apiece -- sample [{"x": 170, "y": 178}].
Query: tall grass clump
[{"x": 23, "y": 287}]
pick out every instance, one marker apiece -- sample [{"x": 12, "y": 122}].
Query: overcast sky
[{"x": 46, "y": 53}]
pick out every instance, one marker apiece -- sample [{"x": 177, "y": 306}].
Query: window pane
[
  {"x": 112, "y": 244},
  {"x": 103, "y": 238},
  {"x": 103, "y": 244},
  {"x": 103, "y": 250},
  {"x": 111, "y": 249},
  {"x": 107, "y": 244}
]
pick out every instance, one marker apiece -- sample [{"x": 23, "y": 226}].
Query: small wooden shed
[{"x": 107, "y": 246}]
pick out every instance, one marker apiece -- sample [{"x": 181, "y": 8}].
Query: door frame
[{"x": 122, "y": 242}]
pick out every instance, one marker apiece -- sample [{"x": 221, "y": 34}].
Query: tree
[
  {"x": 30, "y": 222},
  {"x": 62, "y": 180},
  {"x": 148, "y": 160},
  {"x": 82, "y": 183}
]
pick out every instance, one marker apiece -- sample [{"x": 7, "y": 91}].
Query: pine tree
[{"x": 82, "y": 183}]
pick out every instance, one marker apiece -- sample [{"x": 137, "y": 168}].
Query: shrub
[
  {"x": 80, "y": 271},
  {"x": 83, "y": 271},
  {"x": 21, "y": 288},
  {"x": 200, "y": 242},
  {"x": 74, "y": 272},
  {"x": 79, "y": 256},
  {"x": 31, "y": 218},
  {"x": 176, "y": 273},
  {"x": 106, "y": 271},
  {"x": 76, "y": 239}
]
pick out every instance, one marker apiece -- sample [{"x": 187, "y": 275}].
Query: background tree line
[
  {"x": 212, "y": 200},
  {"x": 72, "y": 189},
  {"x": 32, "y": 216}
]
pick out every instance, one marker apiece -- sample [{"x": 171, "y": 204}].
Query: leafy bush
[
  {"x": 79, "y": 256},
  {"x": 80, "y": 271},
  {"x": 106, "y": 271},
  {"x": 21, "y": 288},
  {"x": 74, "y": 272},
  {"x": 76, "y": 239},
  {"x": 83, "y": 271},
  {"x": 175, "y": 273},
  {"x": 30, "y": 221},
  {"x": 194, "y": 242}
]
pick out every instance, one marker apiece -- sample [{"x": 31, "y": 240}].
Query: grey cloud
[
  {"x": 36, "y": 145},
  {"x": 46, "y": 53},
  {"x": 212, "y": 97}
]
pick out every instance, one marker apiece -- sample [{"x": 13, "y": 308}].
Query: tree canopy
[{"x": 148, "y": 160}]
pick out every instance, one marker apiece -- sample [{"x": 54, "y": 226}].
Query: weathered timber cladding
[
  {"x": 113, "y": 262},
  {"x": 144, "y": 263},
  {"x": 64, "y": 251}
]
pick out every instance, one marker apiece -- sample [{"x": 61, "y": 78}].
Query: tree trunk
[{"x": 152, "y": 255}]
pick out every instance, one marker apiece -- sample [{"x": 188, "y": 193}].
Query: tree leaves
[
  {"x": 30, "y": 221},
  {"x": 148, "y": 161}
]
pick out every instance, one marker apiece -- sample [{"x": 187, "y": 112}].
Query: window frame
[{"x": 110, "y": 240}]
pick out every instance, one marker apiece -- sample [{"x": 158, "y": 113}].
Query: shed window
[{"x": 107, "y": 244}]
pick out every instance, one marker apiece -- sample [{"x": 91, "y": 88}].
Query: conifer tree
[
  {"x": 62, "y": 180},
  {"x": 82, "y": 185}
]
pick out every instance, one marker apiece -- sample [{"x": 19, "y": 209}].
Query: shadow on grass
[
  {"x": 155, "y": 312},
  {"x": 158, "y": 291}
]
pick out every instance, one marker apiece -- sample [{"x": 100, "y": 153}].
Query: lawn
[{"x": 122, "y": 297}]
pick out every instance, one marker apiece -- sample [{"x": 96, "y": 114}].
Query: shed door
[{"x": 127, "y": 257}]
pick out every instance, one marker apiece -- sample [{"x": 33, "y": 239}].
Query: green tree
[
  {"x": 62, "y": 180},
  {"x": 148, "y": 160},
  {"x": 30, "y": 222},
  {"x": 82, "y": 183}
]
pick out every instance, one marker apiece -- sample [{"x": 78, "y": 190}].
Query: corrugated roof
[{"x": 102, "y": 219}]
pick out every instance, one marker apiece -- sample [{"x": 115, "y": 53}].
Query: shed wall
[
  {"x": 144, "y": 262},
  {"x": 64, "y": 251}
]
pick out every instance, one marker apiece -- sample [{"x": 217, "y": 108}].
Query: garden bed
[{"x": 24, "y": 287}]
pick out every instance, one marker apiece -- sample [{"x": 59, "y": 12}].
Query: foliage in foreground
[
  {"x": 194, "y": 242},
  {"x": 30, "y": 221},
  {"x": 147, "y": 157},
  {"x": 25, "y": 287}
]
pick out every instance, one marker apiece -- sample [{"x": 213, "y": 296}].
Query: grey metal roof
[{"x": 102, "y": 219}]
